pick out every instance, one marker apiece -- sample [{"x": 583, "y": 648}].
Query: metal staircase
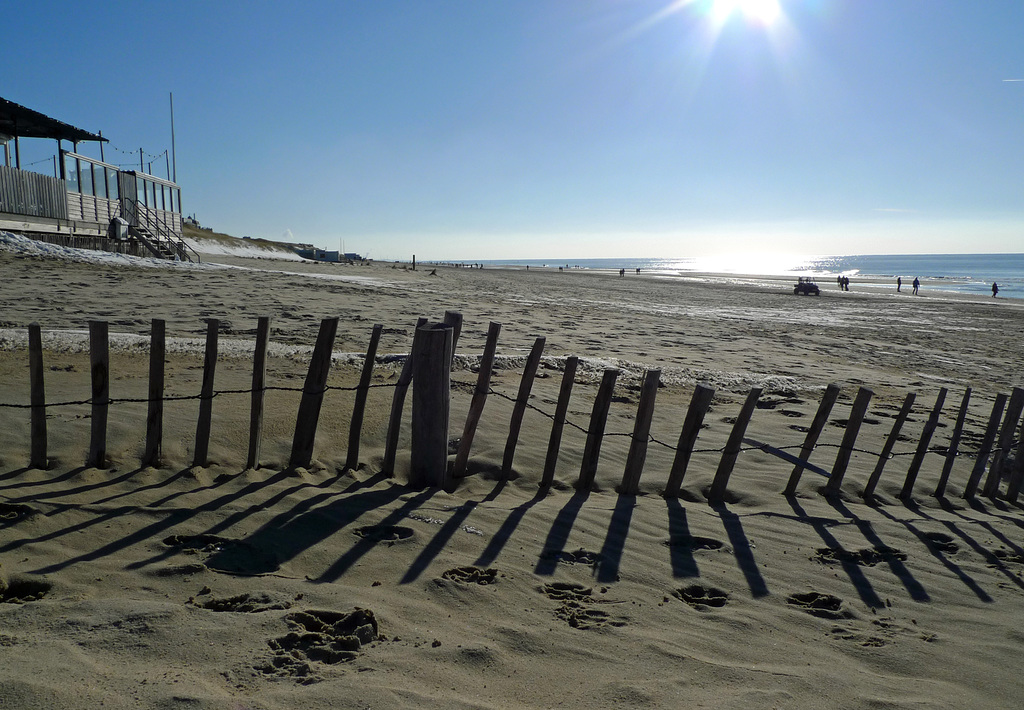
[{"x": 158, "y": 237}]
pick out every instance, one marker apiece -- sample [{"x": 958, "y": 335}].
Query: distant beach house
[{"x": 87, "y": 203}]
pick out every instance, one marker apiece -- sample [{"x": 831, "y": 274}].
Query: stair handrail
[{"x": 159, "y": 226}]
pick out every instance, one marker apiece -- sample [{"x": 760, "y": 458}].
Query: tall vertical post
[
  {"x": 995, "y": 471},
  {"x": 38, "y": 397},
  {"x": 453, "y": 320},
  {"x": 476, "y": 407},
  {"x": 828, "y": 400},
  {"x": 860, "y": 408},
  {"x": 356, "y": 428},
  {"x": 954, "y": 445},
  {"x": 313, "y": 395},
  {"x": 155, "y": 406},
  {"x": 431, "y": 405},
  {"x": 99, "y": 362},
  {"x": 595, "y": 433},
  {"x": 699, "y": 404},
  {"x": 523, "y": 398},
  {"x": 558, "y": 423},
  {"x": 1017, "y": 471},
  {"x": 206, "y": 394},
  {"x": 732, "y": 447},
  {"x": 922, "y": 446},
  {"x": 641, "y": 433},
  {"x": 259, "y": 391},
  {"x": 397, "y": 407},
  {"x": 890, "y": 442},
  {"x": 986, "y": 447}
]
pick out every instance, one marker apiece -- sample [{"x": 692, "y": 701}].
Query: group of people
[
  {"x": 844, "y": 282},
  {"x": 916, "y": 284}
]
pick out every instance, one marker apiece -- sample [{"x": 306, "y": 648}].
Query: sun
[{"x": 762, "y": 11}]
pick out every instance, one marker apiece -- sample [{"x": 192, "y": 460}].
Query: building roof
[{"x": 16, "y": 120}]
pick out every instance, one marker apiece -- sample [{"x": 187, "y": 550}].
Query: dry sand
[{"x": 218, "y": 587}]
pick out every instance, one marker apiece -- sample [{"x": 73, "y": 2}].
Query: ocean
[{"x": 957, "y": 273}]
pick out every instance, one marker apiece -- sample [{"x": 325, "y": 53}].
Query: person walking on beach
[
  {"x": 899, "y": 283},
  {"x": 622, "y": 273},
  {"x": 917, "y": 285},
  {"x": 995, "y": 289},
  {"x": 839, "y": 280}
]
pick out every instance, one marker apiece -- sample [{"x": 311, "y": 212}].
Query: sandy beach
[{"x": 326, "y": 587}]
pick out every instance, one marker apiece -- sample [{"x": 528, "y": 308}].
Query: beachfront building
[{"x": 86, "y": 203}]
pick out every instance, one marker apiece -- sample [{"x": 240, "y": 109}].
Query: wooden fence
[
  {"x": 26, "y": 193},
  {"x": 427, "y": 369}
]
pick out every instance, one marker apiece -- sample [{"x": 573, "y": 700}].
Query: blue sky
[{"x": 560, "y": 129}]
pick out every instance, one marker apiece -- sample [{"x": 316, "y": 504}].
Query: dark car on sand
[{"x": 806, "y": 287}]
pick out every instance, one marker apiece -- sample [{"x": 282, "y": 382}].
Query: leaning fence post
[
  {"x": 1017, "y": 472},
  {"x": 641, "y": 433},
  {"x": 523, "y": 398},
  {"x": 732, "y": 448},
  {"x": 890, "y": 442},
  {"x": 155, "y": 408},
  {"x": 595, "y": 433},
  {"x": 558, "y": 424},
  {"x": 397, "y": 406},
  {"x": 986, "y": 447},
  {"x": 699, "y": 403},
  {"x": 431, "y": 405},
  {"x": 995, "y": 471},
  {"x": 922, "y": 446},
  {"x": 99, "y": 360},
  {"x": 206, "y": 395},
  {"x": 453, "y": 320},
  {"x": 259, "y": 391},
  {"x": 954, "y": 445},
  {"x": 313, "y": 394},
  {"x": 356, "y": 427},
  {"x": 828, "y": 400},
  {"x": 37, "y": 397},
  {"x": 476, "y": 407},
  {"x": 860, "y": 407}
]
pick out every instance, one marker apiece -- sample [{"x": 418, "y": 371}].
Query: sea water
[{"x": 958, "y": 273}]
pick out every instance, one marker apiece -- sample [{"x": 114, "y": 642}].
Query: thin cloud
[{"x": 1013, "y": 79}]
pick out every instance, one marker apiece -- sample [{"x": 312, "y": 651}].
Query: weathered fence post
[
  {"x": 37, "y": 394},
  {"x": 259, "y": 391},
  {"x": 558, "y": 424},
  {"x": 995, "y": 471},
  {"x": 890, "y": 442},
  {"x": 431, "y": 405},
  {"x": 476, "y": 407},
  {"x": 860, "y": 407},
  {"x": 954, "y": 445},
  {"x": 1017, "y": 472},
  {"x": 595, "y": 432},
  {"x": 732, "y": 448},
  {"x": 313, "y": 394},
  {"x": 986, "y": 447},
  {"x": 641, "y": 433},
  {"x": 155, "y": 406},
  {"x": 922, "y": 446},
  {"x": 699, "y": 403},
  {"x": 453, "y": 320},
  {"x": 397, "y": 406},
  {"x": 99, "y": 361},
  {"x": 356, "y": 428},
  {"x": 523, "y": 398},
  {"x": 206, "y": 395},
  {"x": 828, "y": 400}
]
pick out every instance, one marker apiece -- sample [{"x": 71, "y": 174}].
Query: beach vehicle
[{"x": 806, "y": 287}]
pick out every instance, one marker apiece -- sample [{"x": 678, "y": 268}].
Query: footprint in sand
[
  {"x": 700, "y": 597},
  {"x": 12, "y": 513},
  {"x": 21, "y": 590},
  {"x": 694, "y": 543},
  {"x": 576, "y": 557},
  {"x": 240, "y": 603},
  {"x": 941, "y": 542},
  {"x": 818, "y": 604},
  {"x": 319, "y": 637},
  {"x": 867, "y": 557},
  {"x": 472, "y": 575},
  {"x": 385, "y": 533},
  {"x": 575, "y": 608},
  {"x": 1008, "y": 556},
  {"x": 222, "y": 554}
]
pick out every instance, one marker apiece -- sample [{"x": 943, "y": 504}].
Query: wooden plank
[
  {"x": 206, "y": 394},
  {"x": 99, "y": 362},
  {"x": 954, "y": 445},
  {"x": 922, "y": 446},
  {"x": 699, "y": 404},
  {"x": 890, "y": 442},
  {"x": 860, "y": 408},
  {"x": 995, "y": 471},
  {"x": 397, "y": 407},
  {"x": 155, "y": 408},
  {"x": 453, "y": 320},
  {"x": 641, "y": 434},
  {"x": 431, "y": 406},
  {"x": 522, "y": 399},
  {"x": 971, "y": 489},
  {"x": 595, "y": 432},
  {"x": 259, "y": 391},
  {"x": 828, "y": 400},
  {"x": 558, "y": 423},
  {"x": 732, "y": 448},
  {"x": 355, "y": 431},
  {"x": 313, "y": 395},
  {"x": 37, "y": 394},
  {"x": 476, "y": 406}
]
